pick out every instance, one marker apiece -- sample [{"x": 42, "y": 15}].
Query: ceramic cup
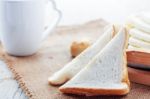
[{"x": 23, "y": 24}]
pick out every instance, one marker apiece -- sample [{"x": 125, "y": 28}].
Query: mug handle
[{"x": 54, "y": 22}]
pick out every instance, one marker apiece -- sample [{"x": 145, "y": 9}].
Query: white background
[{"x": 79, "y": 11}]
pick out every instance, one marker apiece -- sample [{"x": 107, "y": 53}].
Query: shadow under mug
[{"x": 23, "y": 24}]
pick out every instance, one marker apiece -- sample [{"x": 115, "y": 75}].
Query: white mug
[{"x": 22, "y": 24}]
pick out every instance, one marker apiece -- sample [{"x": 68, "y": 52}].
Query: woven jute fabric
[{"x": 33, "y": 71}]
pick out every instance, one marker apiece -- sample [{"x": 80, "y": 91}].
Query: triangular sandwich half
[
  {"x": 73, "y": 67},
  {"x": 106, "y": 74}
]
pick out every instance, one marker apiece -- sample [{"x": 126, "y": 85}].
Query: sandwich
[
  {"x": 78, "y": 63},
  {"x": 106, "y": 73}
]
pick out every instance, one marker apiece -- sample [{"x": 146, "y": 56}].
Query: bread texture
[
  {"x": 135, "y": 33},
  {"x": 78, "y": 63},
  {"x": 106, "y": 73},
  {"x": 137, "y": 43},
  {"x": 133, "y": 48},
  {"x": 136, "y": 22}
]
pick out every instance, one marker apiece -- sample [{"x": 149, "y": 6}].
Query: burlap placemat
[{"x": 33, "y": 71}]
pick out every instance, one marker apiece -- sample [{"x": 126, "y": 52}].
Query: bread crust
[
  {"x": 97, "y": 91},
  {"x": 139, "y": 76},
  {"x": 125, "y": 73},
  {"x": 94, "y": 91},
  {"x": 139, "y": 58}
]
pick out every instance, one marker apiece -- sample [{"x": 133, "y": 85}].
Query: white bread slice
[
  {"x": 106, "y": 74},
  {"x": 138, "y": 43},
  {"x": 73, "y": 67},
  {"x": 133, "y": 48},
  {"x": 136, "y": 22},
  {"x": 139, "y": 35}
]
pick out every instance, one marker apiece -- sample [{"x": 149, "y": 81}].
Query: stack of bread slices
[
  {"x": 101, "y": 69},
  {"x": 138, "y": 51},
  {"x": 139, "y": 30}
]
